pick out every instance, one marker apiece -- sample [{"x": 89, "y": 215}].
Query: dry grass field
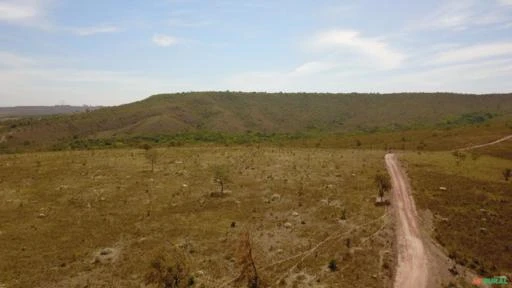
[
  {"x": 467, "y": 201},
  {"x": 104, "y": 219}
]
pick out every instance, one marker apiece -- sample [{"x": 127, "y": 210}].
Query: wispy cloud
[
  {"x": 474, "y": 53},
  {"x": 485, "y": 77},
  {"x": 88, "y": 31},
  {"x": 25, "y": 12},
  {"x": 457, "y": 15},
  {"x": 33, "y": 13},
  {"x": 24, "y": 79},
  {"x": 10, "y": 11},
  {"x": 178, "y": 22},
  {"x": 377, "y": 49},
  {"x": 313, "y": 67},
  {"x": 163, "y": 40},
  {"x": 11, "y": 60}
]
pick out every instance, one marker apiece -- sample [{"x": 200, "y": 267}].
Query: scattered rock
[
  {"x": 288, "y": 225},
  {"x": 275, "y": 197},
  {"x": 324, "y": 201},
  {"x": 443, "y": 188},
  {"x": 279, "y": 251},
  {"x": 295, "y": 214},
  {"x": 217, "y": 194},
  {"x": 381, "y": 201},
  {"x": 329, "y": 186},
  {"x": 106, "y": 256},
  {"x": 453, "y": 270},
  {"x": 41, "y": 215},
  {"x": 184, "y": 185},
  {"x": 483, "y": 230}
]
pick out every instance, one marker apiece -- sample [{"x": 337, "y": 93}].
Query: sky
[{"x": 55, "y": 52}]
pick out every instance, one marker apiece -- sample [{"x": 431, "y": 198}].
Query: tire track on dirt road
[
  {"x": 412, "y": 268},
  {"x": 487, "y": 144}
]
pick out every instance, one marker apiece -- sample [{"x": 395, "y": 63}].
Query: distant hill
[
  {"x": 264, "y": 113},
  {"x": 23, "y": 111}
]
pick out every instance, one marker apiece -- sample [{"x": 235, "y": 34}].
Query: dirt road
[
  {"x": 487, "y": 144},
  {"x": 412, "y": 269}
]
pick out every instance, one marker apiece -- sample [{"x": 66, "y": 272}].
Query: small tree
[
  {"x": 248, "y": 273},
  {"x": 152, "y": 156},
  {"x": 459, "y": 156},
  {"x": 221, "y": 176},
  {"x": 507, "y": 173},
  {"x": 383, "y": 184}
]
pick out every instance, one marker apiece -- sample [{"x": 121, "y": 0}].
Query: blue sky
[{"x": 113, "y": 52}]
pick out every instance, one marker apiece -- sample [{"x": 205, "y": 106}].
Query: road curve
[
  {"x": 487, "y": 144},
  {"x": 412, "y": 268}
]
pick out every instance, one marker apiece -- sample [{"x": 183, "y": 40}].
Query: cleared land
[{"x": 103, "y": 219}]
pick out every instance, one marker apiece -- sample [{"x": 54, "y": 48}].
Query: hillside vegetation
[
  {"x": 23, "y": 111},
  {"x": 208, "y": 116}
]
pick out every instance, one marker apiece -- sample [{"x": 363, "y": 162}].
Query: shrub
[{"x": 333, "y": 265}]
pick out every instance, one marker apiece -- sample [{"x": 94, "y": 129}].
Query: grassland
[
  {"x": 302, "y": 207},
  {"x": 470, "y": 215}
]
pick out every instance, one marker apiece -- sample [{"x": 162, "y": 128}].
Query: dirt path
[
  {"x": 487, "y": 144},
  {"x": 412, "y": 269}
]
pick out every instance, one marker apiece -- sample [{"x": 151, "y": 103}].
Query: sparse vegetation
[
  {"x": 476, "y": 199},
  {"x": 383, "y": 184},
  {"x": 507, "y": 173},
  {"x": 104, "y": 204},
  {"x": 333, "y": 265},
  {"x": 168, "y": 275},
  {"x": 221, "y": 175},
  {"x": 152, "y": 156}
]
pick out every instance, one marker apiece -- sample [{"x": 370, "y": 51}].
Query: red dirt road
[
  {"x": 487, "y": 144},
  {"x": 412, "y": 268}
]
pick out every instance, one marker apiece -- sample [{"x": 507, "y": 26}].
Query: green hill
[{"x": 238, "y": 113}]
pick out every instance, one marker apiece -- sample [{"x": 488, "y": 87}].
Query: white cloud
[
  {"x": 33, "y": 13},
  {"x": 313, "y": 67},
  {"x": 377, "y": 49},
  {"x": 505, "y": 2},
  {"x": 472, "y": 53},
  {"x": 88, "y": 31},
  {"x": 164, "y": 40},
  {"x": 16, "y": 11}
]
